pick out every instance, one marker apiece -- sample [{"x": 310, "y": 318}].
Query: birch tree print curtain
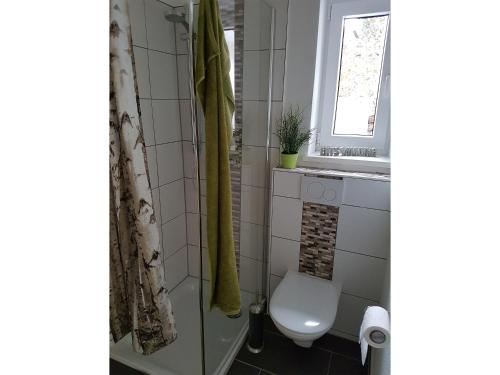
[{"x": 139, "y": 301}]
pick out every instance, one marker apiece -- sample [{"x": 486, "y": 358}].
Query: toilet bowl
[{"x": 304, "y": 307}]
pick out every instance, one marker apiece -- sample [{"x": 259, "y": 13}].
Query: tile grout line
[
  {"x": 173, "y": 218},
  {"x": 248, "y": 364},
  {"x": 154, "y": 136},
  {"x": 152, "y": 49},
  {"x": 329, "y": 364},
  {"x": 182, "y": 144},
  {"x": 164, "y": 143}
]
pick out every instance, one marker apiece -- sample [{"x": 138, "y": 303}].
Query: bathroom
[
  {"x": 269, "y": 44},
  {"x": 246, "y": 227}
]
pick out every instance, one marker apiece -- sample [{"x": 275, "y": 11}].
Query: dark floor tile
[
  {"x": 239, "y": 368},
  {"x": 282, "y": 356},
  {"x": 269, "y": 325},
  {"x": 341, "y": 365},
  {"x": 339, "y": 345},
  {"x": 117, "y": 368}
]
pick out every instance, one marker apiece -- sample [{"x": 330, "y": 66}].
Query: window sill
[{"x": 379, "y": 164}]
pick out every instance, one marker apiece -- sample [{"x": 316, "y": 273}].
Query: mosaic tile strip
[{"x": 317, "y": 241}]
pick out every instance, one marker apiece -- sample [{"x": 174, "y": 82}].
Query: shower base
[{"x": 223, "y": 337}]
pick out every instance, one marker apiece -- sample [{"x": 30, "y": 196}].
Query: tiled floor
[
  {"x": 116, "y": 368},
  {"x": 330, "y": 355}
]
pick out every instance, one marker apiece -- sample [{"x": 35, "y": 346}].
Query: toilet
[{"x": 304, "y": 307}]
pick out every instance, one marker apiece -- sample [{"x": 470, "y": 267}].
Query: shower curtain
[{"x": 139, "y": 301}]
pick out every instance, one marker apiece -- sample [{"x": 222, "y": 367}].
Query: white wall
[
  {"x": 301, "y": 55},
  {"x": 362, "y": 244}
]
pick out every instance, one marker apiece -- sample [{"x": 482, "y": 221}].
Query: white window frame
[{"x": 328, "y": 59}]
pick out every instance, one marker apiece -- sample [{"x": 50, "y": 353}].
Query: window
[
  {"x": 363, "y": 42},
  {"x": 351, "y": 104},
  {"x": 229, "y": 35}
]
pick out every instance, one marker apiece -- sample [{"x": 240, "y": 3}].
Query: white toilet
[{"x": 304, "y": 307}]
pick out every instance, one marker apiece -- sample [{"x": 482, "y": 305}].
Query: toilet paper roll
[{"x": 374, "y": 330}]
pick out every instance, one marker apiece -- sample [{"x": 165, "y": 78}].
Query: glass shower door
[{"x": 248, "y": 29}]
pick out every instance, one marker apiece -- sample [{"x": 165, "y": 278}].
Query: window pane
[
  {"x": 229, "y": 35},
  {"x": 361, "y": 65}
]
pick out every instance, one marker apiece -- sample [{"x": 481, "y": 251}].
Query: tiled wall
[
  {"x": 254, "y": 189},
  {"x": 161, "y": 55},
  {"x": 362, "y": 242},
  {"x": 155, "y": 53},
  {"x": 254, "y": 123}
]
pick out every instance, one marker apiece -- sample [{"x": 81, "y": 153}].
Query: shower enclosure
[{"x": 163, "y": 37}]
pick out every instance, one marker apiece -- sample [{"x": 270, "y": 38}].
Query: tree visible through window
[{"x": 362, "y": 54}]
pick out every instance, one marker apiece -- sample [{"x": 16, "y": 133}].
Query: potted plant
[{"x": 292, "y": 136}]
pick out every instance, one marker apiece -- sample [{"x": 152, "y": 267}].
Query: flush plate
[{"x": 322, "y": 190}]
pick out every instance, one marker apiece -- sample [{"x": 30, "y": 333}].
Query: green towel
[{"x": 214, "y": 91}]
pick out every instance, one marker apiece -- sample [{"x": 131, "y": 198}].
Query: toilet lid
[{"x": 305, "y": 304}]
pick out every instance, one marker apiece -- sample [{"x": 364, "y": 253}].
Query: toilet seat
[{"x": 304, "y": 307}]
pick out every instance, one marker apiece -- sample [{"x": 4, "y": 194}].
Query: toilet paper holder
[{"x": 378, "y": 336}]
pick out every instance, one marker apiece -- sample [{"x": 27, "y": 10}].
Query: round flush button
[
  {"x": 315, "y": 189},
  {"x": 329, "y": 195}
]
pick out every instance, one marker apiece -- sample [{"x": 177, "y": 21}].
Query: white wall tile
[
  {"x": 190, "y": 194},
  {"x": 161, "y": 34},
  {"x": 189, "y": 160},
  {"x": 250, "y": 274},
  {"x": 201, "y": 122},
  {"x": 193, "y": 233},
  {"x": 166, "y": 121},
  {"x": 287, "y": 218},
  {"x": 364, "y": 231},
  {"x": 284, "y": 256},
  {"x": 142, "y": 71},
  {"x": 274, "y": 161},
  {"x": 147, "y": 122},
  {"x": 194, "y": 262},
  {"x": 181, "y": 41},
  {"x": 257, "y": 25},
  {"x": 185, "y": 112},
  {"x": 350, "y": 314},
  {"x": 252, "y": 204},
  {"x": 281, "y": 20},
  {"x": 169, "y": 162},
  {"x": 174, "y": 234},
  {"x": 203, "y": 184},
  {"x": 137, "y": 22},
  {"x": 183, "y": 72},
  {"x": 273, "y": 283},
  {"x": 278, "y": 74},
  {"x": 153, "y": 169},
  {"x": 276, "y": 111},
  {"x": 254, "y": 123},
  {"x": 301, "y": 36},
  {"x": 287, "y": 184},
  {"x": 163, "y": 75},
  {"x": 176, "y": 268},
  {"x": 156, "y": 204},
  {"x": 367, "y": 193},
  {"x": 251, "y": 240},
  {"x": 253, "y": 166},
  {"x": 361, "y": 275},
  {"x": 172, "y": 200},
  {"x": 255, "y": 75}
]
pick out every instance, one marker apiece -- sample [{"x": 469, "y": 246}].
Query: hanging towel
[{"x": 214, "y": 91}]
